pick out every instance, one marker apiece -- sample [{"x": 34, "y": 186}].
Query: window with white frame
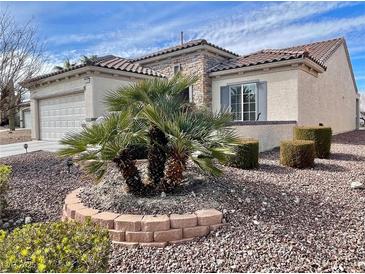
[{"x": 243, "y": 101}]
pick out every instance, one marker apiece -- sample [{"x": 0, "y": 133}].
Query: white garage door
[
  {"x": 27, "y": 119},
  {"x": 60, "y": 115}
]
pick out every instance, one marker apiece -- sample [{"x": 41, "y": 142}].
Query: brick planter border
[{"x": 144, "y": 230}]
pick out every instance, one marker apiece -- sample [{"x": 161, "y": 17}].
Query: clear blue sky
[{"x": 129, "y": 29}]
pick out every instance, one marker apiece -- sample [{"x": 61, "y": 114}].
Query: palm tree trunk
[
  {"x": 156, "y": 156},
  {"x": 176, "y": 165},
  {"x": 128, "y": 168}
]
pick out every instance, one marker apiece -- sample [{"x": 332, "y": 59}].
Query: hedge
[
  {"x": 321, "y": 136},
  {"x": 55, "y": 247},
  {"x": 297, "y": 153},
  {"x": 5, "y": 172},
  {"x": 246, "y": 155}
]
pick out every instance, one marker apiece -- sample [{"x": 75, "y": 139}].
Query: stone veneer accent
[
  {"x": 195, "y": 63},
  {"x": 144, "y": 230}
]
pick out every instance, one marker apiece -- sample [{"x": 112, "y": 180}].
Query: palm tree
[
  {"x": 161, "y": 93},
  {"x": 149, "y": 112},
  {"x": 110, "y": 140},
  {"x": 66, "y": 65},
  {"x": 199, "y": 135},
  {"x": 85, "y": 60}
]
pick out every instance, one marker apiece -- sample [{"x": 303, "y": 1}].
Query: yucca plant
[{"x": 161, "y": 93}]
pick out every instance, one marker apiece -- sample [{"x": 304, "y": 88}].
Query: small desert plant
[
  {"x": 321, "y": 137},
  {"x": 55, "y": 247},
  {"x": 5, "y": 172},
  {"x": 297, "y": 153},
  {"x": 246, "y": 155}
]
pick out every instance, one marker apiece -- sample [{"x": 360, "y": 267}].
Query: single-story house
[
  {"x": 25, "y": 118},
  {"x": 268, "y": 92}
]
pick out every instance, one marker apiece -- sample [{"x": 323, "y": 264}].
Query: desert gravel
[
  {"x": 279, "y": 219},
  {"x": 39, "y": 184}
]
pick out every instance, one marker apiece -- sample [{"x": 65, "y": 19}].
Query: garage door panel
[{"x": 61, "y": 115}]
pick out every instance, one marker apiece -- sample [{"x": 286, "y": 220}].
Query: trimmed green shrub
[
  {"x": 297, "y": 153},
  {"x": 5, "y": 172},
  {"x": 55, "y": 247},
  {"x": 246, "y": 155},
  {"x": 321, "y": 136}
]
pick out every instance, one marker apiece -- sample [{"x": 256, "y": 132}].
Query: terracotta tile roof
[
  {"x": 110, "y": 62},
  {"x": 190, "y": 44},
  {"x": 319, "y": 52}
]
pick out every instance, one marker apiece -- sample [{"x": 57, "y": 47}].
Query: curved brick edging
[{"x": 145, "y": 230}]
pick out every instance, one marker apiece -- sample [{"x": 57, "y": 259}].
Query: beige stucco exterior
[
  {"x": 93, "y": 85},
  {"x": 269, "y": 135},
  {"x": 282, "y": 91},
  {"x": 329, "y": 98},
  {"x": 298, "y": 92}
]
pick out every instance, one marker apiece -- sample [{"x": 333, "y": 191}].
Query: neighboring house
[
  {"x": 25, "y": 118},
  {"x": 268, "y": 92}
]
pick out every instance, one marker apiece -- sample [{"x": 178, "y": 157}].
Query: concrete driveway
[{"x": 18, "y": 148}]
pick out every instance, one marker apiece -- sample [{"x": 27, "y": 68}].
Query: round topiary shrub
[
  {"x": 321, "y": 136},
  {"x": 297, "y": 153},
  {"x": 55, "y": 247},
  {"x": 246, "y": 155}
]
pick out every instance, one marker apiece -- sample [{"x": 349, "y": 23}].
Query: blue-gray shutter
[
  {"x": 225, "y": 99},
  {"x": 262, "y": 101}
]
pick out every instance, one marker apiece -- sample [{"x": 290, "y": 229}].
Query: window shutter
[
  {"x": 262, "y": 102},
  {"x": 225, "y": 99}
]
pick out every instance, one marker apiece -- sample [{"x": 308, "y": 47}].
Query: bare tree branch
[{"x": 21, "y": 57}]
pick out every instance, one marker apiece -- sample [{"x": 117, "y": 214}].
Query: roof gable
[
  {"x": 318, "y": 52},
  {"x": 189, "y": 44}
]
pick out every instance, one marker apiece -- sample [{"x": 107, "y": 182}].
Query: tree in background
[
  {"x": 21, "y": 57},
  {"x": 66, "y": 65}
]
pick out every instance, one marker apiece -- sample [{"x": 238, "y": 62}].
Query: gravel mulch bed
[
  {"x": 39, "y": 184},
  {"x": 197, "y": 192},
  {"x": 280, "y": 219}
]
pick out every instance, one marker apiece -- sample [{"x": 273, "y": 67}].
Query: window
[
  {"x": 177, "y": 68},
  {"x": 187, "y": 95},
  {"x": 243, "y": 101}
]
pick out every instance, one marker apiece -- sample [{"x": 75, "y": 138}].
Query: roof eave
[
  {"x": 276, "y": 64},
  {"x": 88, "y": 69},
  {"x": 184, "y": 51}
]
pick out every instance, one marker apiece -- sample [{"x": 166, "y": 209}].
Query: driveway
[{"x": 18, "y": 148}]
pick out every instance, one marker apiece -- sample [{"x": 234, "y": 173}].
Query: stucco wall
[
  {"x": 331, "y": 98},
  {"x": 101, "y": 86},
  {"x": 281, "y": 92},
  {"x": 269, "y": 135},
  {"x": 95, "y": 88}
]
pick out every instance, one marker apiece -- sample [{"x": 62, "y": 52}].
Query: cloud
[
  {"x": 241, "y": 27},
  {"x": 280, "y": 25}
]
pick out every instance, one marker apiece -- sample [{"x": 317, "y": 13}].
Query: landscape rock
[
  {"x": 357, "y": 185},
  {"x": 27, "y": 220}
]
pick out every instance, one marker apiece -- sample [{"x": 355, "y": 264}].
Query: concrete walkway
[{"x": 18, "y": 148}]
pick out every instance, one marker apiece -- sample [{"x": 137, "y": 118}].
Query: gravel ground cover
[
  {"x": 17, "y": 136},
  {"x": 38, "y": 186},
  {"x": 279, "y": 219}
]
